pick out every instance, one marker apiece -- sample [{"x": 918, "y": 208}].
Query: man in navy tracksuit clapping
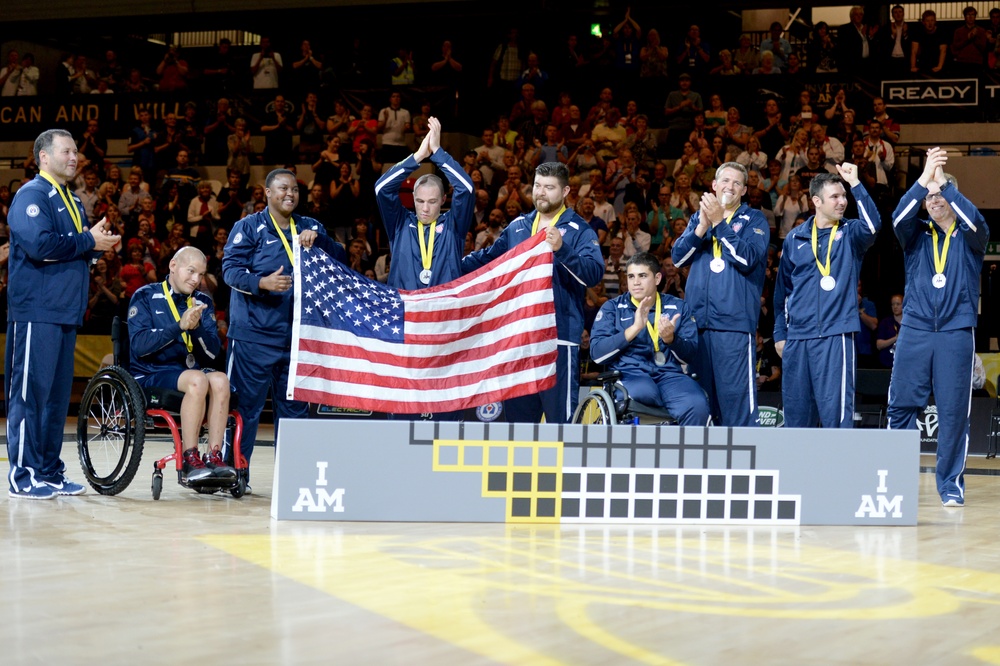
[
  {"x": 648, "y": 336},
  {"x": 935, "y": 348},
  {"x": 816, "y": 303},
  {"x": 725, "y": 244}
]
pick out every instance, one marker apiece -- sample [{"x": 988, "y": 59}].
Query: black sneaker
[
  {"x": 213, "y": 461},
  {"x": 194, "y": 467}
]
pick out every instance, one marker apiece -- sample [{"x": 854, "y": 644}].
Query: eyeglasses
[{"x": 932, "y": 197}]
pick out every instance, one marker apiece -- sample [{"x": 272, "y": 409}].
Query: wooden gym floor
[{"x": 210, "y": 579}]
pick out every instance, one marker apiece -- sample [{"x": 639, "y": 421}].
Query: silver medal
[
  {"x": 827, "y": 283},
  {"x": 425, "y": 276},
  {"x": 939, "y": 280},
  {"x": 660, "y": 358},
  {"x": 717, "y": 265},
  {"x": 190, "y": 361}
]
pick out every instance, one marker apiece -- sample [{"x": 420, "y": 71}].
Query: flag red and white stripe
[{"x": 485, "y": 337}]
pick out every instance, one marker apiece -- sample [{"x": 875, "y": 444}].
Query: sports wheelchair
[
  {"x": 611, "y": 404},
  {"x": 115, "y": 413}
]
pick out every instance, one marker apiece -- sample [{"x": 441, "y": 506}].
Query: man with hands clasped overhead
[
  {"x": 816, "y": 303},
  {"x": 649, "y": 336},
  {"x": 935, "y": 348},
  {"x": 725, "y": 245}
]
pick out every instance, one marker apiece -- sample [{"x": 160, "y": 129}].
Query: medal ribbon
[
  {"x": 654, "y": 332},
  {"x": 942, "y": 259},
  {"x": 284, "y": 241},
  {"x": 74, "y": 212},
  {"x": 426, "y": 246},
  {"x": 823, "y": 270},
  {"x": 534, "y": 225},
  {"x": 177, "y": 317},
  {"x": 716, "y": 248}
]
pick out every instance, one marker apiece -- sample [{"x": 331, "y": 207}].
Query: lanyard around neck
[
  {"x": 74, "y": 212},
  {"x": 426, "y": 246},
  {"x": 177, "y": 317},
  {"x": 823, "y": 270},
  {"x": 716, "y": 248},
  {"x": 654, "y": 331},
  {"x": 534, "y": 225},
  {"x": 941, "y": 259},
  {"x": 284, "y": 241}
]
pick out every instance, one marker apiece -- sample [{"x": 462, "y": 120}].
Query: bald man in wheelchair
[
  {"x": 174, "y": 343},
  {"x": 649, "y": 337}
]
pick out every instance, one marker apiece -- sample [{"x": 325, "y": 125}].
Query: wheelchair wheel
[
  {"x": 157, "y": 486},
  {"x": 596, "y": 409},
  {"x": 110, "y": 430}
]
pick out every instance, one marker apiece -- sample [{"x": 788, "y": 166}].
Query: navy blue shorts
[{"x": 166, "y": 378}]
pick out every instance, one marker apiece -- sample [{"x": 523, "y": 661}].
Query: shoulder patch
[
  {"x": 237, "y": 238},
  {"x": 600, "y": 315},
  {"x": 32, "y": 210},
  {"x": 574, "y": 225},
  {"x": 132, "y": 311},
  {"x": 759, "y": 232}
]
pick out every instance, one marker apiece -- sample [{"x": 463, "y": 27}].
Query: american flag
[{"x": 487, "y": 336}]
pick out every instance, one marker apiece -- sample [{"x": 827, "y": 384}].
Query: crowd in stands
[{"x": 641, "y": 150}]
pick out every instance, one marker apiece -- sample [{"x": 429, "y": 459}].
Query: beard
[{"x": 544, "y": 206}]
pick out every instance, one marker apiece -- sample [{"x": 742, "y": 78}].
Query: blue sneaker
[
  {"x": 66, "y": 487},
  {"x": 42, "y": 492},
  {"x": 953, "y": 502}
]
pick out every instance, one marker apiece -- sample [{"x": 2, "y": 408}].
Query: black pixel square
[
  {"x": 643, "y": 483},
  {"x": 546, "y": 482},
  {"x": 762, "y": 509},
  {"x": 520, "y": 507},
  {"x": 595, "y": 508},
  {"x": 716, "y": 484},
  {"x": 619, "y": 483},
  {"x": 522, "y": 481},
  {"x": 497, "y": 481},
  {"x": 692, "y": 509},
  {"x": 741, "y": 485},
  {"x": 546, "y": 507},
  {"x": 692, "y": 483},
  {"x": 571, "y": 483},
  {"x": 765, "y": 485},
  {"x": 786, "y": 509},
  {"x": 643, "y": 508},
  {"x": 739, "y": 509},
  {"x": 668, "y": 483},
  {"x": 571, "y": 507},
  {"x": 619, "y": 508},
  {"x": 716, "y": 509},
  {"x": 668, "y": 508},
  {"x": 595, "y": 483}
]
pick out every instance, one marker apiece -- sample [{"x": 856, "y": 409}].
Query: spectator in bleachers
[
  {"x": 134, "y": 190},
  {"x": 344, "y": 194},
  {"x": 141, "y": 143},
  {"x": 307, "y": 71},
  {"x": 83, "y": 79},
  {"x": 693, "y": 54},
  {"x": 653, "y": 57},
  {"x": 969, "y": 45},
  {"x": 393, "y": 122},
  {"x": 681, "y": 106},
  {"x": 746, "y": 57},
  {"x": 726, "y": 66},
  {"x": 847, "y": 131},
  {"x": 521, "y": 110},
  {"x": 831, "y": 147},
  {"x": 879, "y": 152},
  {"x": 278, "y": 129},
  {"x": 220, "y": 71},
  {"x": 642, "y": 143},
  {"x": 929, "y": 49},
  {"x": 265, "y": 66},
  {"x": 734, "y": 132},
  {"x": 598, "y": 112},
  {"x": 106, "y": 293},
  {"x": 310, "y": 129},
  {"x": 138, "y": 271},
  {"x": 888, "y": 331},
  {"x": 777, "y": 45},
  {"x": 363, "y": 129},
  {"x": 857, "y": 50},
  {"x": 88, "y": 194},
  {"x": 534, "y": 75},
  {"x": 753, "y": 158},
  {"x": 217, "y": 132},
  {"x": 111, "y": 70},
  {"x": 792, "y": 156},
  {"x": 683, "y": 197},
  {"x": 172, "y": 70},
  {"x": 92, "y": 146},
  {"x": 339, "y": 122},
  {"x": 170, "y": 209},
  {"x": 231, "y": 199},
  {"x": 507, "y": 64},
  {"x": 240, "y": 148},
  {"x": 10, "y": 75},
  {"x": 134, "y": 84},
  {"x": 767, "y": 65},
  {"x": 64, "y": 70},
  {"x": 821, "y": 51},
  {"x": 890, "y": 128},
  {"x": 790, "y": 206},
  {"x": 257, "y": 196},
  {"x": 813, "y": 167},
  {"x": 897, "y": 44},
  {"x": 185, "y": 176},
  {"x": 402, "y": 70},
  {"x": 166, "y": 146},
  {"x": 609, "y": 135}
]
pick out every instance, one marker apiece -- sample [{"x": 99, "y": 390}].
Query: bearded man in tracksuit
[
  {"x": 578, "y": 265},
  {"x": 648, "y": 337},
  {"x": 257, "y": 266},
  {"x": 725, "y": 244},
  {"x": 816, "y": 303},
  {"x": 935, "y": 350}
]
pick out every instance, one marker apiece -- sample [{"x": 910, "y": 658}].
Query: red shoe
[
  {"x": 213, "y": 461},
  {"x": 194, "y": 468}
]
